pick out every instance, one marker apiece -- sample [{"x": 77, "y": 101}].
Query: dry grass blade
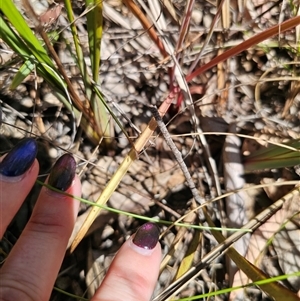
[
  {"x": 123, "y": 168},
  {"x": 274, "y": 289},
  {"x": 226, "y": 14},
  {"x": 170, "y": 7},
  {"x": 146, "y": 24},
  {"x": 293, "y": 22},
  {"x": 185, "y": 25}
]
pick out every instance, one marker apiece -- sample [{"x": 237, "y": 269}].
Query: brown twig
[{"x": 178, "y": 158}]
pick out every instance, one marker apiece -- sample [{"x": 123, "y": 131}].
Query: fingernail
[
  {"x": 63, "y": 173},
  {"x": 19, "y": 159},
  {"x": 146, "y": 236}
]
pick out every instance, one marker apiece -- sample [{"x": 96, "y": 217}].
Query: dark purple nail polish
[
  {"x": 146, "y": 236},
  {"x": 63, "y": 172},
  {"x": 19, "y": 159}
]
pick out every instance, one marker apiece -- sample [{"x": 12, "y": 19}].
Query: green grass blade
[
  {"x": 37, "y": 58},
  {"x": 11, "y": 38},
  {"x": 274, "y": 156},
  {"x": 106, "y": 106},
  {"x": 79, "y": 53},
  {"x": 22, "y": 73},
  {"x": 16, "y": 19},
  {"x": 94, "y": 27}
]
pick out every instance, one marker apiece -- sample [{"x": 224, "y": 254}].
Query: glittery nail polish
[
  {"x": 146, "y": 236},
  {"x": 19, "y": 159},
  {"x": 63, "y": 172}
]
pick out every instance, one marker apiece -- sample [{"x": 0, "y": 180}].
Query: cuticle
[
  {"x": 16, "y": 179},
  {"x": 53, "y": 193}
]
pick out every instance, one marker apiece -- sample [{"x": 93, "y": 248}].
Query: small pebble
[
  {"x": 163, "y": 87},
  {"x": 197, "y": 16},
  {"x": 131, "y": 89},
  {"x": 27, "y": 102},
  {"x": 53, "y": 153},
  {"x": 207, "y": 21}
]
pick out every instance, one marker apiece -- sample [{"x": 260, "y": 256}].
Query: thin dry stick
[
  {"x": 178, "y": 158},
  {"x": 169, "y": 57}
]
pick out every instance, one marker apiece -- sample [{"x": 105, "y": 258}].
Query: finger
[
  {"x": 133, "y": 273},
  {"x": 30, "y": 271},
  {"x": 18, "y": 172}
]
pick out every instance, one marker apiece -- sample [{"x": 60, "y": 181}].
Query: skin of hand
[{"x": 31, "y": 268}]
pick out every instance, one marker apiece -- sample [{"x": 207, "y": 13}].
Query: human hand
[{"x": 31, "y": 268}]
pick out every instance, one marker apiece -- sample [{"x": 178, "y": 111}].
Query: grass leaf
[{"x": 274, "y": 156}]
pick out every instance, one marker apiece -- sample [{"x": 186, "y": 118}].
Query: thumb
[{"x": 133, "y": 273}]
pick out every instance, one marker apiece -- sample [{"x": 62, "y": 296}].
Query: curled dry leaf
[{"x": 51, "y": 15}]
